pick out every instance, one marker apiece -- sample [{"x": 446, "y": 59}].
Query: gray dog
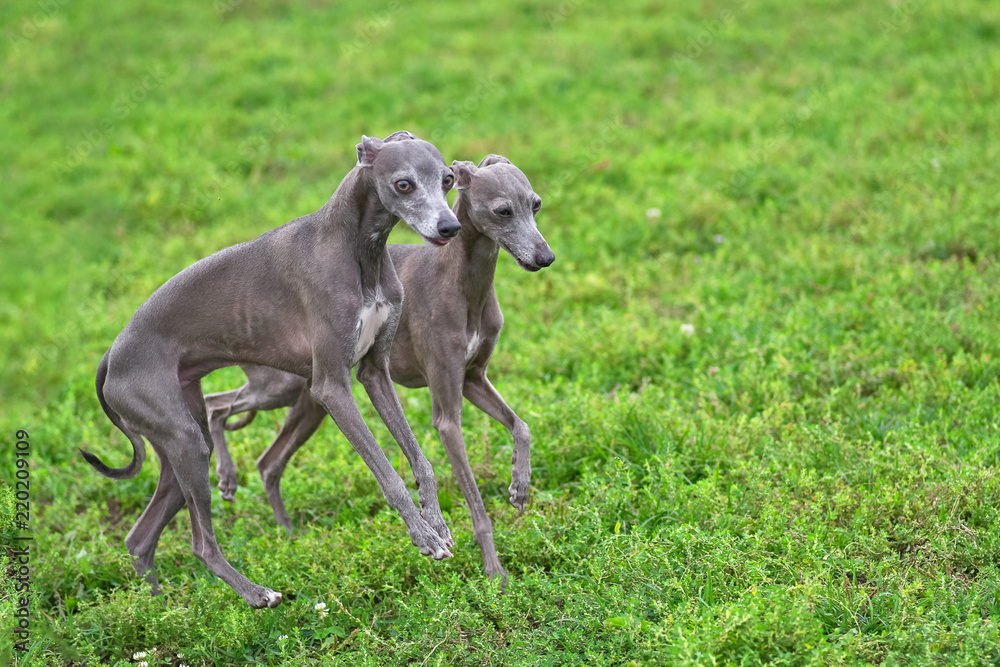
[
  {"x": 313, "y": 297},
  {"x": 450, "y": 325}
]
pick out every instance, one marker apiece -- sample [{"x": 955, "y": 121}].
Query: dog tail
[
  {"x": 241, "y": 422},
  {"x": 138, "y": 446}
]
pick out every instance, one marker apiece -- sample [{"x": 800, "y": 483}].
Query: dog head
[
  {"x": 412, "y": 181},
  {"x": 502, "y": 205}
]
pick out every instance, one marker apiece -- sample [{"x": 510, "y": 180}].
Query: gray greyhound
[
  {"x": 313, "y": 297},
  {"x": 450, "y": 324}
]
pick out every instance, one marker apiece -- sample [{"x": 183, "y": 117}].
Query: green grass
[{"x": 809, "y": 478}]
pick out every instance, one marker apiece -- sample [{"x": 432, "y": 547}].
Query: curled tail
[
  {"x": 241, "y": 422},
  {"x": 138, "y": 446}
]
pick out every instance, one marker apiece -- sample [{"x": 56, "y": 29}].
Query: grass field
[{"x": 761, "y": 376}]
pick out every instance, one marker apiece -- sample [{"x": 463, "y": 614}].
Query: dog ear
[
  {"x": 493, "y": 159},
  {"x": 402, "y": 135},
  {"x": 463, "y": 171},
  {"x": 367, "y": 150}
]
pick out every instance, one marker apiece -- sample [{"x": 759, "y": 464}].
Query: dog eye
[
  {"x": 448, "y": 181},
  {"x": 503, "y": 212},
  {"x": 404, "y": 185}
]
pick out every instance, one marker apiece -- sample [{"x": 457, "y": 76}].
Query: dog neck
[
  {"x": 471, "y": 257},
  {"x": 367, "y": 223}
]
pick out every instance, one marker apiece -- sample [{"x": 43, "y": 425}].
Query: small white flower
[
  {"x": 180, "y": 655},
  {"x": 718, "y": 238},
  {"x": 182, "y": 664},
  {"x": 936, "y": 164},
  {"x": 138, "y": 655},
  {"x": 142, "y": 663},
  {"x": 653, "y": 213},
  {"x": 282, "y": 638},
  {"x": 687, "y": 330},
  {"x": 152, "y": 650},
  {"x": 322, "y": 614},
  {"x": 320, "y": 606}
]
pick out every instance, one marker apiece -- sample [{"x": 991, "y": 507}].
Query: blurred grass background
[{"x": 809, "y": 477}]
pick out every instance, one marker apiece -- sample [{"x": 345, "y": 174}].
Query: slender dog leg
[
  {"x": 266, "y": 389},
  {"x": 175, "y": 422},
  {"x": 446, "y": 408},
  {"x": 189, "y": 456},
  {"x": 219, "y": 408},
  {"x": 303, "y": 419},
  {"x": 142, "y": 539},
  {"x": 382, "y": 392},
  {"x": 337, "y": 400},
  {"x": 481, "y": 393}
]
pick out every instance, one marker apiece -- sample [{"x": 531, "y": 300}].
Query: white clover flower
[
  {"x": 142, "y": 663},
  {"x": 687, "y": 330},
  {"x": 653, "y": 213},
  {"x": 282, "y": 638},
  {"x": 320, "y": 606},
  {"x": 138, "y": 655}
]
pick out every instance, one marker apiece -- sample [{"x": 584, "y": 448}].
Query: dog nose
[
  {"x": 448, "y": 225},
  {"x": 544, "y": 257}
]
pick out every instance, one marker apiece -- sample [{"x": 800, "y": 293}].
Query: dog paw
[
  {"x": 227, "y": 485},
  {"x": 437, "y": 554},
  {"x": 430, "y": 542},
  {"x": 262, "y": 598},
  {"x": 436, "y": 521},
  {"x": 518, "y": 490}
]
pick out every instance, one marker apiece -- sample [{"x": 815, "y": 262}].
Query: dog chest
[{"x": 370, "y": 320}]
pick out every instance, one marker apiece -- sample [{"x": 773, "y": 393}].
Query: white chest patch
[
  {"x": 473, "y": 348},
  {"x": 370, "y": 321}
]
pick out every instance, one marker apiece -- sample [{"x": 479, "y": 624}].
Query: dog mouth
[
  {"x": 526, "y": 266},
  {"x": 437, "y": 242}
]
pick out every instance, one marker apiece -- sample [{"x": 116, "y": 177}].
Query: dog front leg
[
  {"x": 337, "y": 400},
  {"x": 374, "y": 376},
  {"x": 484, "y": 396}
]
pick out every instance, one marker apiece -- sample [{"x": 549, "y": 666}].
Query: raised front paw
[
  {"x": 520, "y": 483},
  {"x": 227, "y": 484}
]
